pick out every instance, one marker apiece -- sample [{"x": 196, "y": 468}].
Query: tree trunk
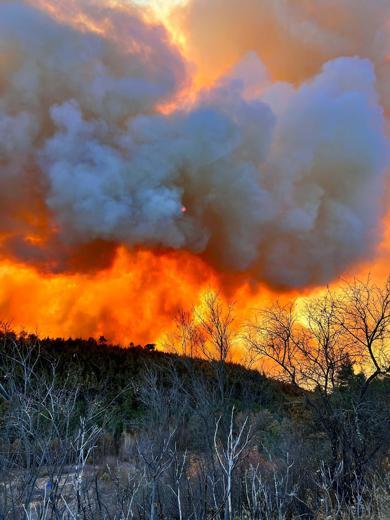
[
  {"x": 153, "y": 501},
  {"x": 228, "y": 509}
]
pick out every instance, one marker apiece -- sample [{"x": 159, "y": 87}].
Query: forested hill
[
  {"x": 114, "y": 373},
  {"x": 132, "y": 424}
]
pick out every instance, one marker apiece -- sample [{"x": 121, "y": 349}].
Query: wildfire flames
[{"x": 147, "y": 156}]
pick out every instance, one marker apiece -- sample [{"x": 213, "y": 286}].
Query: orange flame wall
[{"x": 134, "y": 300}]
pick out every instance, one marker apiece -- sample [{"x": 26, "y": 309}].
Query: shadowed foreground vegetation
[{"x": 90, "y": 430}]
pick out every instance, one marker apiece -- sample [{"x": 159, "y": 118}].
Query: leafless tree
[
  {"x": 208, "y": 332},
  {"x": 187, "y": 339},
  {"x": 230, "y": 454},
  {"x": 311, "y": 346},
  {"x": 157, "y": 455},
  {"x": 179, "y": 467},
  {"x": 46, "y": 443},
  {"x": 270, "y": 490},
  {"x": 363, "y": 313}
]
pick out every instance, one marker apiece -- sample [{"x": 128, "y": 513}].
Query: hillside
[{"x": 100, "y": 431}]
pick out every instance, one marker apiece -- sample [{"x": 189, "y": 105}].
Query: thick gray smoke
[{"x": 282, "y": 182}]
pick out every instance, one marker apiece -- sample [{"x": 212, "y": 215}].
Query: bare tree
[
  {"x": 208, "y": 332},
  {"x": 311, "y": 346},
  {"x": 187, "y": 339},
  {"x": 364, "y": 316},
  {"x": 179, "y": 467},
  {"x": 157, "y": 455},
  {"x": 165, "y": 405},
  {"x": 49, "y": 443},
  {"x": 270, "y": 491},
  {"x": 229, "y": 455}
]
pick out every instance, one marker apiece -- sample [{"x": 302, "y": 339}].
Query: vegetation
[{"x": 90, "y": 430}]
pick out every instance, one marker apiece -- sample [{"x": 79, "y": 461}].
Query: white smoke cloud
[{"x": 283, "y": 182}]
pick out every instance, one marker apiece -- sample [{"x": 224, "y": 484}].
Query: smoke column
[{"x": 273, "y": 173}]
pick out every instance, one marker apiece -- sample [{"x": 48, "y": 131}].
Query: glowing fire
[{"x": 134, "y": 300}]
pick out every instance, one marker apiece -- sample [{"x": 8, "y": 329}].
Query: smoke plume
[
  {"x": 294, "y": 39},
  {"x": 280, "y": 179}
]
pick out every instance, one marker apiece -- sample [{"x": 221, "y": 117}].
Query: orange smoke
[
  {"x": 292, "y": 38},
  {"x": 379, "y": 266}
]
